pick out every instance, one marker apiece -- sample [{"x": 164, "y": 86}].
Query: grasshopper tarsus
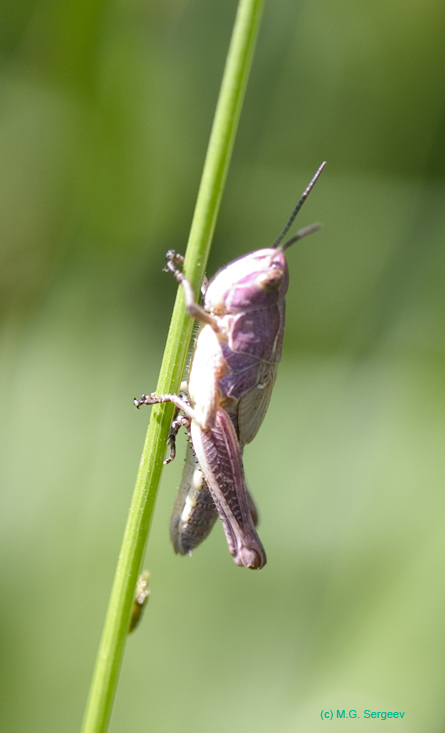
[
  {"x": 173, "y": 256},
  {"x": 172, "y": 259},
  {"x": 194, "y": 310},
  {"x": 146, "y": 399},
  {"x": 178, "y": 422},
  {"x": 171, "y": 440},
  {"x": 172, "y": 456}
]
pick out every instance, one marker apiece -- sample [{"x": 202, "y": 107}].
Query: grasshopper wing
[
  {"x": 194, "y": 512},
  {"x": 253, "y": 406}
]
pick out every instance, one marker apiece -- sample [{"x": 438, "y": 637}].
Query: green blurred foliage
[{"x": 104, "y": 120}]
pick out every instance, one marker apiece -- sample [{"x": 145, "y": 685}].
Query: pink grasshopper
[{"x": 231, "y": 376}]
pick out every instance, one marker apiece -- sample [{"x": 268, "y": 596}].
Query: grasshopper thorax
[{"x": 257, "y": 280}]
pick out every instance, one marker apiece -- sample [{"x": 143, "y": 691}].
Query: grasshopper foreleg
[
  {"x": 154, "y": 399},
  {"x": 181, "y": 405},
  {"x": 193, "y": 308}
]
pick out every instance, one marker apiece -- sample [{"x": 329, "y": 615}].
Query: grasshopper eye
[{"x": 271, "y": 279}]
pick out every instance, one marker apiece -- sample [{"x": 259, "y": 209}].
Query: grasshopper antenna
[{"x": 308, "y": 230}]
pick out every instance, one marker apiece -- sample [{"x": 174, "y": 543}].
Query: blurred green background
[{"x": 105, "y": 115}]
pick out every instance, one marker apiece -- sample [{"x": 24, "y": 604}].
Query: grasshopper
[{"x": 231, "y": 376}]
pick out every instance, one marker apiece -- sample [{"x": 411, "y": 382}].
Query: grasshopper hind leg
[{"x": 194, "y": 512}]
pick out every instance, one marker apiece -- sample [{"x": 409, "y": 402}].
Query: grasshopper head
[{"x": 260, "y": 279}]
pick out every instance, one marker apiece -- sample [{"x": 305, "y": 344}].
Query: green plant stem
[{"x": 112, "y": 645}]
